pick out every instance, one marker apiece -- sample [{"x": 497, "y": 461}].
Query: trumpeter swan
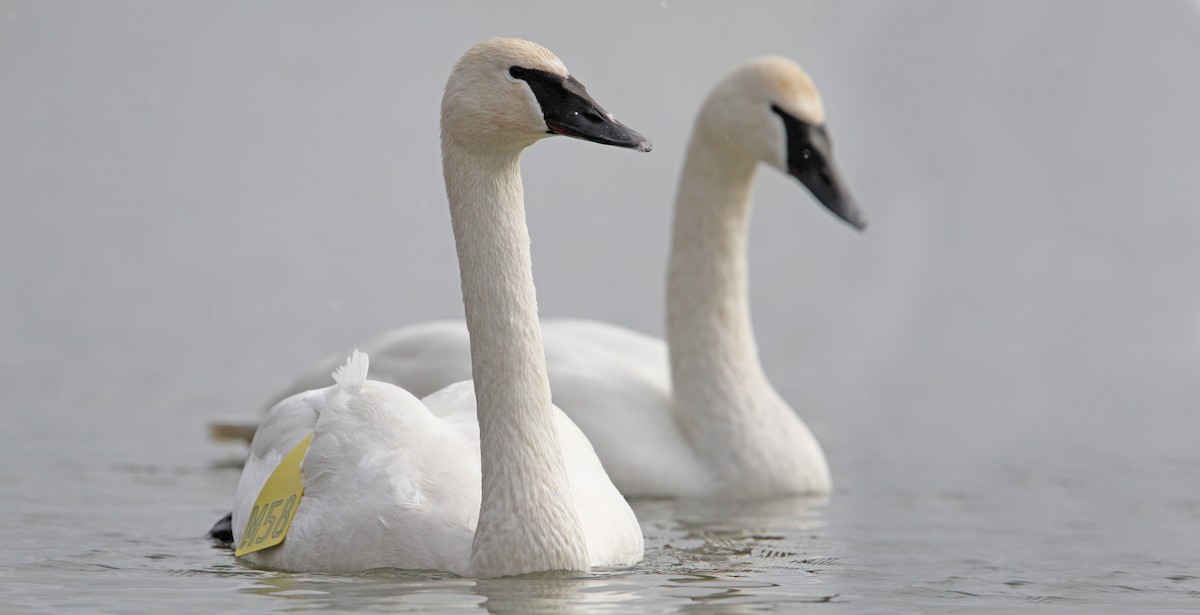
[
  {"x": 700, "y": 418},
  {"x": 479, "y": 480}
]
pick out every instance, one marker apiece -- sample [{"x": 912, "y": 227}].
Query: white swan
[
  {"x": 701, "y": 419},
  {"x": 513, "y": 487}
]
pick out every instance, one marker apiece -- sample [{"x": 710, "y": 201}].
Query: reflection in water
[
  {"x": 700, "y": 555},
  {"x": 737, "y": 556},
  {"x": 708, "y": 534},
  {"x": 540, "y": 594},
  {"x": 415, "y": 591},
  {"x": 398, "y": 590}
]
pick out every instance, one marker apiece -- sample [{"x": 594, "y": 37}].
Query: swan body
[
  {"x": 394, "y": 481},
  {"x": 696, "y": 416},
  {"x": 620, "y": 374},
  {"x": 482, "y": 478}
]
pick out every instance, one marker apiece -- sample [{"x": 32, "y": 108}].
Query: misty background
[{"x": 200, "y": 199}]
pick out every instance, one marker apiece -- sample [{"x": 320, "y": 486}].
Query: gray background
[{"x": 199, "y": 199}]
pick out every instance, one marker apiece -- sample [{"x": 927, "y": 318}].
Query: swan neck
[
  {"x": 527, "y": 518},
  {"x": 709, "y": 328},
  {"x": 723, "y": 402}
]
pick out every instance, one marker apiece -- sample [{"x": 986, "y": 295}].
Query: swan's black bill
[
  {"x": 810, "y": 160},
  {"x": 569, "y": 110}
]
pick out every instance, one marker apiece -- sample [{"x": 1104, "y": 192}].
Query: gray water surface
[{"x": 199, "y": 199}]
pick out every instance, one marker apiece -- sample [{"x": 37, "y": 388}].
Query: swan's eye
[
  {"x": 806, "y": 153},
  {"x": 517, "y": 72}
]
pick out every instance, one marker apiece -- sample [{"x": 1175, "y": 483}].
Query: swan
[
  {"x": 484, "y": 478},
  {"x": 695, "y": 415}
]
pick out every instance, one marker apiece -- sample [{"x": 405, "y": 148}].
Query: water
[
  {"x": 1066, "y": 540},
  {"x": 200, "y": 199}
]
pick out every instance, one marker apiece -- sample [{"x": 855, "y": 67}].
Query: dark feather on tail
[{"x": 221, "y": 533}]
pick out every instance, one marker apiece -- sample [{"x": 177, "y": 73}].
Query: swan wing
[
  {"x": 614, "y": 537},
  {"x": 388, "y": 484},
  {"x": 615, "y": 384},
  {"x": 290, "y": 421}
]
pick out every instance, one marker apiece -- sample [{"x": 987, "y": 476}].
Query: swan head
[
  {"x": 511, "y": 92},
  {"x": 770, "y": 110}
]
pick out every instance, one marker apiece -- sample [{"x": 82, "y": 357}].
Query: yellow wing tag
[{"x": 276, "y": 503}]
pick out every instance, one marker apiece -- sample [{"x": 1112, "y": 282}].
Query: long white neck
[
  {"x": 527, "y": 517},
  {"x": 722, "y": 399}
]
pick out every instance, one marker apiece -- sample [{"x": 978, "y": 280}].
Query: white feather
[{"x": 351, "y": 375}]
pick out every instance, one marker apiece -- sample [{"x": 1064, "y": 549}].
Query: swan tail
[
  {"x": 353, "y": 374},
  {"x": 232, "y": 431}
]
